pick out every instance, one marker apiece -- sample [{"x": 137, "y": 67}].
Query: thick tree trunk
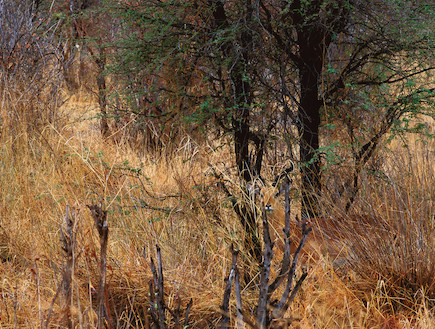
[
  {"x": 311, "y": 51},
  {"x": 241, "y": 141},
  {"x": 309, "y": 116}
]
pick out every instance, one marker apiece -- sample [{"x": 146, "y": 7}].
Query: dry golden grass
[{"x": 170, "y": 200}]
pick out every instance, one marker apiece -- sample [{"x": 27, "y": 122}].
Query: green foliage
[
  {"x": 330, "y": 155},
  {"x": 235, "y": 67},
  {"x": 202, "y": 116}
]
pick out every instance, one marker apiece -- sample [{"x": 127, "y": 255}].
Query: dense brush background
[{"x": 53, "y": 154}]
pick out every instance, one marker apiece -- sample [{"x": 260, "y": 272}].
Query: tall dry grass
[
  {"x": 387, "y": 238},
  {"x": 171, "y": 199},
  {"x": 149, "y": 201}
]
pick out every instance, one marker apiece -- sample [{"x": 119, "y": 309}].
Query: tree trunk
[
  {"x": 241, "y": 127},
  {"x": 241, "y": 123},
  {"x": 309, "y": 120},
  {"x": 241, "y": 149},
  {"x": 102, "y": 98}
]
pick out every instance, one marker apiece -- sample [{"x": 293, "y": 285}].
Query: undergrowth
[{"x": 173, "y": 200}]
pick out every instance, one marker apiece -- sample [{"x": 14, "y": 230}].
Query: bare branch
[
  {"x": 100, "y": 218},
  {"x": 263, "y": 300},
  {"x": 291, "y": 273},
  {"x": 227, "y": 290}
]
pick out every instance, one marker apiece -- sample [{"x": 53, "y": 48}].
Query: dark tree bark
[
  {"x": 102, "y": 98},
  {"x": 311, "y": 40},
  {"x": 305, "y": 40},
  {"x": 309, "y": 119},
  {"x": 242, "y": 101}
]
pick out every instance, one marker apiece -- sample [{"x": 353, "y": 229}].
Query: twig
[
  {"x": 186, "y": 315},
  {"x": 285, "y": 264},
  {"x": 68, "y": 244},
  {"x": 284, "y": 298},
  {"x": 100, "y": 218},
  {"x": 68, "y": 241},
  {"x": 50, "y": 311},
  {"x": 158, "y": 308},
  {"x": 144, "y": 205},
  {"x": 263, "y": 300},
  {"x": 238, "y": 300},
  {"x": 227, "y": 291},
  {"x": 157, "y": 291},
  {"x": 153, "y": 304}
]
